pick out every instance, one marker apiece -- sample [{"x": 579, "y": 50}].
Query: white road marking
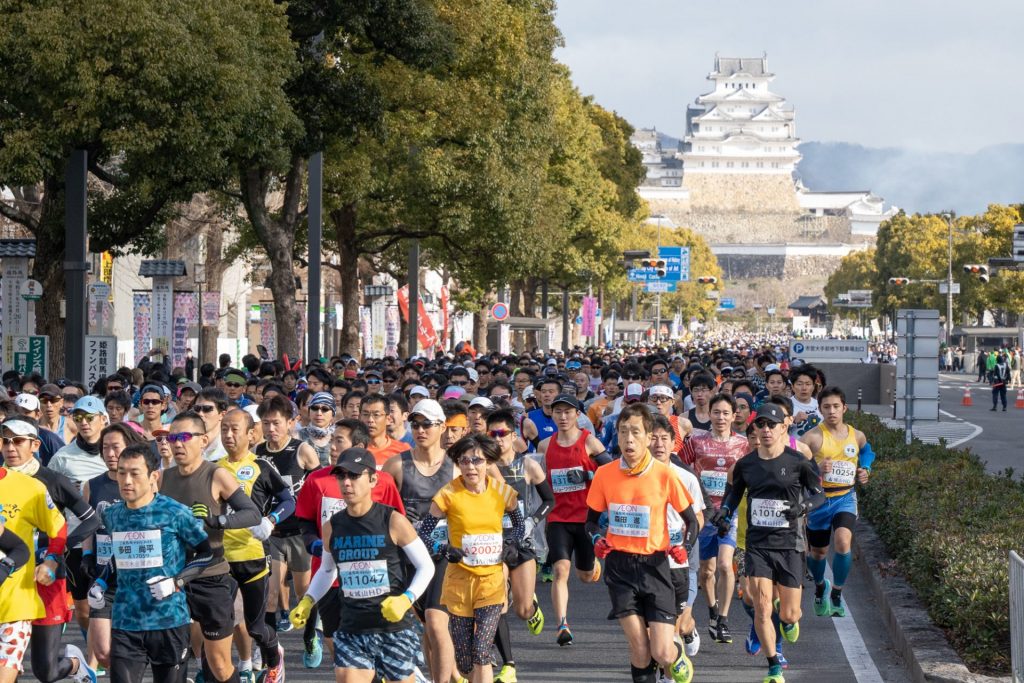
[
  {"x": 856, "y": 650},
  {"x": 976, "y": 430}
]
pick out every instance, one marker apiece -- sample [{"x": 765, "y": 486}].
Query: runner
[
  {"x": 845, "y": 457},
  {"x": 375, "y": 637},
  {"x": 207, "y": 490},
  {"x": 211, "y": 404},
  {"x": 474, "y": 505},
  {"x": 712, "y": 455},
  {"x": 702, "y": 388},
  {"x": 636, "y": 493},
  {"x": 806, "y": 414},
  {"x": 317, "y": 433},
  {"x": 375, "y": 413},
  {"x": 52, "y": 416},
  {"x": 775, "y": 477},
  {"x": 539, "y": 424},
  {"x": 570, "y": 458}
]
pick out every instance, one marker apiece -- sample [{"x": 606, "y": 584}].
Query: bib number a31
[
  {"x": 562, "y": 483},
  {"x": 714, "y": 481}
]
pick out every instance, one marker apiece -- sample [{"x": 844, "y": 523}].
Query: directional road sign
[
  {"x": 727, "y": 303},
  {"x": 660, "y": 287},
  {"x": 677, "y": 263}
]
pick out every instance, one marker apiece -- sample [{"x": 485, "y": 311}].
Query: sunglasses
[
  {"x": 51, "y": 400},
  {"x": 661, "y": 371},
  {"x": 320, "y": 409},
  {"x": 499, "y": 433},
  {"x": 16, "y": 440},
  {"x": 160, "y": 439},
  {"x": 70, "y": 397},
  {"x": 373, "y": 380},
  {"x": 151, "y": 401},
  {"x": 475, "y": 462},
  {"x": 766, "y": 424},
  {"x": 203, "y": 408},
  {"x": 114, "y": 387},
  {"x": 183, "y": 437},
  {"x": 233, "y": 385},
  {"x": 631, "y": 377},
  {"x": 434, "y": 387},
  {"x": 345, "y": 474},
  {"x": 83, "y": 417},
  {"x": 499, "y": 397},
  {"x": 421, "y": 424}
]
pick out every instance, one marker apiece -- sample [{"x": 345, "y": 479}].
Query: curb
[{"x": 927, "y": 654}]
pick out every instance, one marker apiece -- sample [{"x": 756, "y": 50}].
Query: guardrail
[{"x": 1017, "y": 617}]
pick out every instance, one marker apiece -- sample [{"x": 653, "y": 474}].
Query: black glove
[
  {"x": 89, "y": 565},
  {"x": 452, "y": 554},
  {"x": 575, "y": 476},
  {"x": 713, "y": 516},
  {"x": 724, "y": 522},
  {"x": 510, "y": 552},
  {"x": 795, "y": 511}
]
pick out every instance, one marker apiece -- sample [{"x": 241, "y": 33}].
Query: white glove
[
  {"x": 161, "y": 587},
  {"x": 96, "y": 597},
  {"x": 261, "y": 531}
]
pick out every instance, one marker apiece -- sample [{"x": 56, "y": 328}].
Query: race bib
[
  {"x": 440, "y": 532},
  {"x": 481, "y": 550},
  {"x": 506, "y": 521},
  {"x": 367, "y": 579},
  {"x": 768, "y": 513},
  {"x": 629, "y": 520},
  {"x": 138, "y": 549},
  {"x": 104, "y": 549},
  {"x": 842, "y": 474},
  {"x": 560, "y": 480},
  {"x": 714, "y": 481},
  {"x": 328, "y": 507}
]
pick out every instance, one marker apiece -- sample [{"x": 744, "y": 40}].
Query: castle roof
[
  {"x": 740, "y": 95},
  {"x": 731, "y": 66}
]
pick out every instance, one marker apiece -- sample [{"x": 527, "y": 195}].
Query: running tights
[
  {"x": 48, "y": 661},
  {"x": 473, "y": 637},
  {"x": 133, "y": 670},
  {"x": 254, "y": 604}
]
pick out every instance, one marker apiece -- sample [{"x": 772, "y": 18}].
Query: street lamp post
[
  {"x": 949, "y": 281},
  {"x": 199, "y": 277},
  {"x": 657, "y": 298}
]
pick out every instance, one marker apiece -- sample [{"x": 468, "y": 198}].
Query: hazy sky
[{"x": 928, "y": 75}]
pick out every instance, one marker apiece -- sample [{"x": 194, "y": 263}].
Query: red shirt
[
  {"x": 320, "y": 497},
  {"x": 712, "y": 460},
  {"x": 570, "y": 498}
]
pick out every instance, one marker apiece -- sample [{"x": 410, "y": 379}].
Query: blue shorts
[
  {"x": 709, "y": 540},
  {"x": 821, "y": 518},
  {"x": 392, "y": 655}
]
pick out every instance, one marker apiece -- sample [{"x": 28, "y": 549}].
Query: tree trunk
[
  {"x": 48, "y": 270},
  {"x": 516, "y": 308},
  {"x": 530, "y": 311},
  {"x": 214, "y": 266},
  {"x": 344, "y": 220},
  {"x": 480, "y": 331}
]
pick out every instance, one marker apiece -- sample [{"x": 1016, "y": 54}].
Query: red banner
[
  {"x": 444, "y": 317},
  {"x": 426, "y": 334}
]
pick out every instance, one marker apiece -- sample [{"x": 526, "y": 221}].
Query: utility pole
[
  {"x": 414, "y": 295},
  {"x": 314, "y": 212},
  {"x": 949, "y": 282},
  {"x": 76, "y": 264}
]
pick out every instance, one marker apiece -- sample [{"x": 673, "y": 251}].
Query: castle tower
[{"x": 739, "y": 152}]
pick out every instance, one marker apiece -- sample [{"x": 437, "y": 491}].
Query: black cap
[
  {"x": 770, "y": 412},
  {"x": 567, "y": 399},
  {"x": 356, "y": 461}
]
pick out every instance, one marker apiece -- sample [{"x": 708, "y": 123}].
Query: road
[{"x": 997, "y": 434}]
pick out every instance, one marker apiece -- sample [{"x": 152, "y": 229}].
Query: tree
[
  {"x": 856, "y": 271},
  {"x": 160, "y": 94}
]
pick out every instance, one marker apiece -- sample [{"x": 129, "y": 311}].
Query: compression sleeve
[
  {"x": 867, "y": 456},
  {"x": 547, "y": 501},
  {"x": 203, "y": 557},
  {"x": 418, "y": 556},
  {"x": 244, "y": 512},
  {"x": 602, "y": 458},
  {"x": 593, "y": 525},
  {"x": 812, "y": 483},
  {"x": 14, "y": 548},
  {"x": 310, "y": 532},
  {"x": 285, "y": 505},
  {"x": 427, "y": 526},
  {"x": 89, "y": 522},
  {"x": 518, "y": 524},
  {"x": 323, "y": 579},
  {"x": 690, "y": 520},
  {"x": 735, "y": 495}
]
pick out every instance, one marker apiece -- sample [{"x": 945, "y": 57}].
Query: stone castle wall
[
  {"x": 742, "y": 267},
  {"x": 741, "y": 192}
]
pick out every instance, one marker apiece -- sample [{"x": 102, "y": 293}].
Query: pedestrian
[
  {"x": 982, "y": 363},
  {"x": 997, "y": 379},
  {"x": 1014, "y": 362}
]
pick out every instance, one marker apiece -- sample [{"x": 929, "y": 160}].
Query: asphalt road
[{"x": 998, "y": 434}]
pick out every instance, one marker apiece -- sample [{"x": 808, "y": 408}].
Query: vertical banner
[
  {"x": 445, "y": 300},
  {"x": 185, "y": 314},
  {"x": 15, "y": 322},
  {"x": 377, "y": 324},
  {"x": 107, "y": 268},
  {"x": 142, "y": 314},
  {"x": 365, "y": 330},
  {"x": 338, "y": 316},
  {"x": 426, "y": 334},
  {"x": 268, "y": 329},
  {"x": 162, "y": 325},
  {"x": 504, "y": 338},
  {"x": 391, "y": 331},
  {"x": 100, "y": 358},
  {"x": 589, "y": 325},
  {"x": 211, "y": 308}
]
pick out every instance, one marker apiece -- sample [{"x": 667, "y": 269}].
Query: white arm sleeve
[
  {"x": 420, "y": 558},
  {"x": 324, "y": 577}
]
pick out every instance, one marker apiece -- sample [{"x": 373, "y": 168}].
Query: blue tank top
[{"x": 545, "y": 426}]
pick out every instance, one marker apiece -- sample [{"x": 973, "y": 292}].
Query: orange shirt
[
  {"x": 637, "y": 521},
  {"x": 393, "y": 447},
  {"x": 596, "y": 411}
]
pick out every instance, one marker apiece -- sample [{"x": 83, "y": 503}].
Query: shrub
[{"x": 950, "y": 526}]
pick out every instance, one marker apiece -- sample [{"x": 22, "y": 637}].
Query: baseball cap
[
  {"x": 661, "y": 390},
  {"x": 162, "y": 431},
  {"x": 634, "y": 392},
  {"x": 419, "y": 390},
  {"x": 50, "y": 390},
  {"x": 20, "y": 427},
  {"x": 567, "y": 399},
  {"x": 27, "y": 402},
  {"x": 473, "y": 374},
  {"x": 89, "y": 404},
  {"x": 453, "y": 393},
  {"x": 551, "y": 361},
  {"x": 770, "y": 412},
  {"x": 573, "y": 365},
  {"x": 771, "y": 367},
  {"x": 355, "y": 460},
  {"x": 430, "y": 409},
  {"x": 482, "y": 402},
  {"x": 372, "y": 372},
  {"x": 152, "y": 388},
  {"x": 528, "y": 393},
  {"x": 234, "y": 376},
  {"x": 323, "y": 398},
  {"x": 191, "y": 386}
]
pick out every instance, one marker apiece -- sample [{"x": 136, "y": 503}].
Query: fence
[{"x": 1017, "y": 616}]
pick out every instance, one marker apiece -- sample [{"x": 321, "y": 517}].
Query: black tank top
[
  {"x": 515, "y": 476},
  {"x": 418, "y": 490},
  {"x": 103, "y": 493},
  {"x": 369, "y": 569},
  {"x": 286, "y": 462},
  {"x": 697, "y": 424},
  {"x": 198, "y": 488}
]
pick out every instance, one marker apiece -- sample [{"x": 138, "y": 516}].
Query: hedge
[{"x": 950, "y": 526}]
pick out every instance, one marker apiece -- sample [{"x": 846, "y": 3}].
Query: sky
[{"x": 936, "y": 75}]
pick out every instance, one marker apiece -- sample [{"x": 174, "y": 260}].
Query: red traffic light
[
  {"x": 899, "y": 281},
  {"x": 707, "y": 280}
]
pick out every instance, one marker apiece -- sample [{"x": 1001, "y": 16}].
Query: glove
[
  {"x": 316, "y": 548},
  {"x": 713, "y": 516},
  {"x": 261, "y": 531},
  {"x": 724, "y": 523},
  {"x": 394, "y": 607},
  {"x": 509, "y": 552},
  {"x": 795, "y": 511},
  {"x": 96, "y": 597},
  {"x": 576, "y": 476},
  {"x": 677, "y": 553},
  {"x": 161, "y": 587},
  {"x": 300, "y": 615},
  {"x": 450, "y": 553},
  {"x": 200, "y": 511},
  {"x": 89, "y": 565},
  {"x": 601, "y": 547}
]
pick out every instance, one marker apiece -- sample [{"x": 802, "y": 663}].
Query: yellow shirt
[
  {"x": 844, "y": 454},
  {"x": 239, "y": 544},
  {"x": 474, "y": 522},
  {"x": 26, "y": 507}
]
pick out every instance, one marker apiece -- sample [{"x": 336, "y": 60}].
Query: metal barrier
[{"x": 1017, "y": 617}]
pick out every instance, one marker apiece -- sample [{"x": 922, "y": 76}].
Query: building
[{"x": 664, "y": 169}]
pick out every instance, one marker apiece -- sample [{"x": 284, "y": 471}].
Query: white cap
[
  {"x": 771, "y": 367},
  {"x": 483, "y": 402},
  {"x": 634, "y": 390},
  {"x": 660, "y": 390},
  {"x": 527, "y": 393},
  {"x": 430, "y": 409},
  {"x": 551, "y": 361},
  {"x": 419, "y": 390},
  {"x": 27, "y": 402},
  {"x": 473, "y": 374},
  {"x": 20, "y": 427}
]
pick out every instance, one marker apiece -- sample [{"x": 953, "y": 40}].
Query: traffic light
[
  {"x": 899, "y": 281},
  {"x": 658, "y": 264},
  {"x": 707, "y": 280},
  {"x": 979, "y": 269}
]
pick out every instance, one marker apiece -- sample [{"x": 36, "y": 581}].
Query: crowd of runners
[{"x": 403, "y": 515}]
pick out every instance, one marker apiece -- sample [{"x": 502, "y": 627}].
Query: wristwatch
[{"x": 222, "y": 520}]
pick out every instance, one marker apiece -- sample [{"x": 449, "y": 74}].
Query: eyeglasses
[
  {"x": 183, "y": 437},
  {"x": 765, "y": 424},
  {"x": 345, "y": 474},
  {"x": 70, "y": 397},
  {"x": 51, "y": 399},
  {"x": 203, "y": 408},
  {"x": 475, "y": 462},
  {"x": 660, "y": 399},
  {"x": 83, "y": 417},
  {"x": 320, "y": 409},
  {"x": 114, "y": 387},
  {"x": 374, "y": 416},
  {"x": 499, "y": 433},
  {"x": 422, "y": 424},
  {"x": 151, "y": 401},
  {"x": 434, "y": 387},
  {"x": 483, "y": 372},
  {"x": 160, "y": 439},
  {"x": 499, "y": 397},
  {"x": 233, "y": 385},
  {"x": 16, "y": 440},
  {"x": 631, "y": 377},
  {"x": 659, "y": 371}
]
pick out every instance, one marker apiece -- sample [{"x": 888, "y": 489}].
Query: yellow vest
[
  {"x": 239, "y": 544},
  {"x": 844, "y": 454}
]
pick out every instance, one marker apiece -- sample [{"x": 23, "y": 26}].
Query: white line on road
[
  {"x": 976, "y": 430},
  {"x": 856, "y": 651}
]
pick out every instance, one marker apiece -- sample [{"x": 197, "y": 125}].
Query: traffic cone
[
  {"x": 1020, "y": 397},
  {"x": 967, "y": 397}
]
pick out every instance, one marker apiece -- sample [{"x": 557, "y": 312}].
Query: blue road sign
[
  {"x": 642, "y": 275},
  {"x": 660, "y": 287},
  {"x": 727, "y": 303},
  {"x": 677, "y": 263}
]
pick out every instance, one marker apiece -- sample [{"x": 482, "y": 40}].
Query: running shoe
[
  {"x": 681, "y": 670},
  {"x": 774, "y": 675},
  {"x": 547, "y": 574},
  {"x": 821, "y": 607},
  {"x": 564, "y": 635},
  {"x": 836, "y": 605},
  {"x": 535, "y": 624},
  {"x": 783, "y": 662},
  {"x": 275, "y": 674},
  {"x": 85, "y": 673},
  {"x": 791, "y": 632},
  {"x": 752, "y": 643},
  {"x": 314, "y": 653},
  {"x": 284, "y": 624},
  {"x": 507, "y": 674},
  {"x": 257, "y": 659},
  {"x": 100, "y": 672},
  {"x": 722, "y": 633},
  {"x": 693, "y": 644},
  {"x": 246, "y": 676},
  {"x": 713, "y": 627}
]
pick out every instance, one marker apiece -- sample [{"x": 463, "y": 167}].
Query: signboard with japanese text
[
  {"x": 31, "y": 354},
  {"x": 831, "y": 350},
  {"x": 100, "y": 358}
]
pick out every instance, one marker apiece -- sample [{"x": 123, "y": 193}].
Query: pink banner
[
  {"x": 211, "y": 308},
  {"x": 142, "y": 314},
  {"x": 589, "y": 327}
]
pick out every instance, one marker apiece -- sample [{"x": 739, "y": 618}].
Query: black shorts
[
  {"x": 78, "y": 581},
  {"x": 211, "y": 600},
  {"x": 329, "y": 608},
  {"x": 784, "y": 567},
  {"x": 166, "y": 647},
  {"x": 641, "y": 585},
  {"x": 249, "y": 570},
  {"x": 290, "y": 550},
  {"x": 567, "y": 540},
  {"x": 523, "y": 555},
  {"x": 431, "y": 598},
  {"x": 681, "y": 584}
]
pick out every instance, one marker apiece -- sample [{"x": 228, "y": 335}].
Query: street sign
[
  {"x": 727, "y": 303},
  {"x": 32, "y": 354},
  {"x": 642, "y": 275},
  {"x": 831, "y": 350},
  {"x": 944, "y": 288},
  {"x": 499, "y": 311},
  {"x": 677, "y": 263},
  {"x": 100, "y": 358},
  {"x": 660, "y": 287},
  {"x": 31, "y": 290}
]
